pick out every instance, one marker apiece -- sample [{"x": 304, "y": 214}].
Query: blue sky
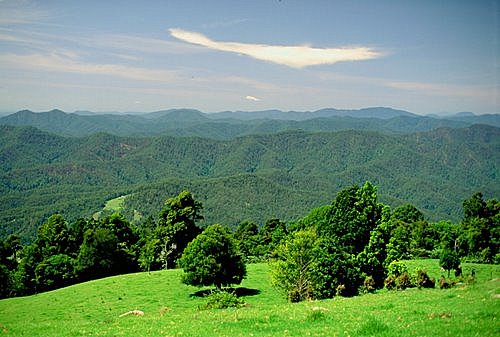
[{"x": 421, "y": 56}]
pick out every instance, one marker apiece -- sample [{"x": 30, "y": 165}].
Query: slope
[{"x": 94, "y": 308}]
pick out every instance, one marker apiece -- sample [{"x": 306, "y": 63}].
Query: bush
[
  {"x": 445, "y": 283},
  {"x": 403, "y": 281},
  {"x": 422, "y": 280},
  {"x": 220, "y": 299},
  {"x": 390, "y": 282},
  {"x": 396, "y": 268},
  {"x": 368, "y": 285}
]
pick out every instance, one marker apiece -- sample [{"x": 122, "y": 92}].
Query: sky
[{"x": 140, "y": 56}]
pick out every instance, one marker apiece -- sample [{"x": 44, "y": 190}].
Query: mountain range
[{"x": 231, "y": 124}]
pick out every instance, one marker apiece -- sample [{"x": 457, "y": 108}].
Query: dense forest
[
  {"x": 247, "y": 178},
  {"x": 352, "y": 244},
  {"x": 99, "y": 195},
  {"x": 231, "y": 124}
]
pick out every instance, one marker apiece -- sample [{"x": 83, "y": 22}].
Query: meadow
[{"x": 172, "y": 309}]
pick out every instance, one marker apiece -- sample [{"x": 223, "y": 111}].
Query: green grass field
[{"x": 93, "y": 309}]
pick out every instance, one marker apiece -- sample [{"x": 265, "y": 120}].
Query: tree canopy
[{"x": 212, "y": 259}]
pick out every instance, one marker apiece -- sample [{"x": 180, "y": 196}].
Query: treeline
[{"x": 348, "y": 240}]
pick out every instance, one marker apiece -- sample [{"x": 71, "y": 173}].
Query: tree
[
  {"x": 177, "y": 226},
  {"x": 5, "y": 281},
  {"x": 212, "y": 259},
  {"x": 337, "y": 271},
  {"x": 354, "y": 213},
  {"x": 449, "y": 261},
  {"x": 294, "y": 272},
  {"x": 407, "y": 213},
  {"x": 474, "y": 207},
  {"x": 55, "y": 272},
  {"x": 480, "y": 235},
  {"x": 53, "y": 236},
  {"x": 247, "y": 239},
  {"x": 99, "y": 255}
]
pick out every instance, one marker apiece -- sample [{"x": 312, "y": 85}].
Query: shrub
[
  {"x": 220, "y": 299},
  {"x": 341, "y": 290},
  {"x": 422, "y": 279},
  {"x": 390, "y": 282},
  {"x": 396, "y": 268},
  {"x": 403, "y": 281},
  {"x": 445, "y": 283},
  {"x": 368, "y": 285}
]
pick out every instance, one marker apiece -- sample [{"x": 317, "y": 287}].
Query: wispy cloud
[
  {"x": 292, "y": 56},
  {"x": 441, "y": 89},
  {"x": 68, "y": 63},
  {"x": 252, "y": 98},
  {"x": 22, "y": 12}
]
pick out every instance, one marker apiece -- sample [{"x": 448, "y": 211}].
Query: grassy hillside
[
  {"x": 169, "y": 308},
  {"x": 253, "y": 177}
]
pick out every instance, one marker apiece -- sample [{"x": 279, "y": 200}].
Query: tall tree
[
  {"x": 177, "y": 226},
  {"x": 53, "y": 236},
  {"x": 354, "y": 213}
]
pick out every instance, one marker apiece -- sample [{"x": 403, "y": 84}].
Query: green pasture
[{"x": 171, "y": 309}]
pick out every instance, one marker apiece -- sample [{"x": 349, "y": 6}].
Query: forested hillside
[
  {"x": 231, "y": 124},
  {"x": 252, "y": 177}
]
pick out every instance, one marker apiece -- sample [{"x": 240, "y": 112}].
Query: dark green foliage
[
  {"x": 55, "y": 272},
  {"x": 369, "y": 285},
  {"x": 100, "y": 255},
  {"x": 404, "y": 281},
  {"x": 249, "y": 241},
  {"x": 480, "y": 235},
  {"x": 212, "y": 259},
  {"x": 354, "y": 213},
  {"x": 5, "y": 281},
  {"x": 53, "y": 236},
  {"x": 337, "y": 272},
  {"x": 407, "y": 213},
  {"x": 272, "y": 234},
  {"x": 422, "y": 279},
  {"x": 371, "y": 260},
  {"x": 221, "y": 299},
  {"x": 177, "y": 226},
  {"x": 279, "y": 175},
  {"x": 449, "y": 260},
  {"x": 475, "y": 207}
]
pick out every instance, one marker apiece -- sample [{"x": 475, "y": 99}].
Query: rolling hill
[
  {"x": 252, "y": 177},
  {"x": 170, "y": 309}
]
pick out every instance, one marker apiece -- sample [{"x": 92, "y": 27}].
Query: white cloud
[
  {"x": 441, "y": 89},
  {"x": 68, "y": 63},
  {"x": 292, "y": 56},
  {"x": 252, "y": 98}
]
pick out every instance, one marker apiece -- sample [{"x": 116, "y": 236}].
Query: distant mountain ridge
[{"x": 230, "y": 124}]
